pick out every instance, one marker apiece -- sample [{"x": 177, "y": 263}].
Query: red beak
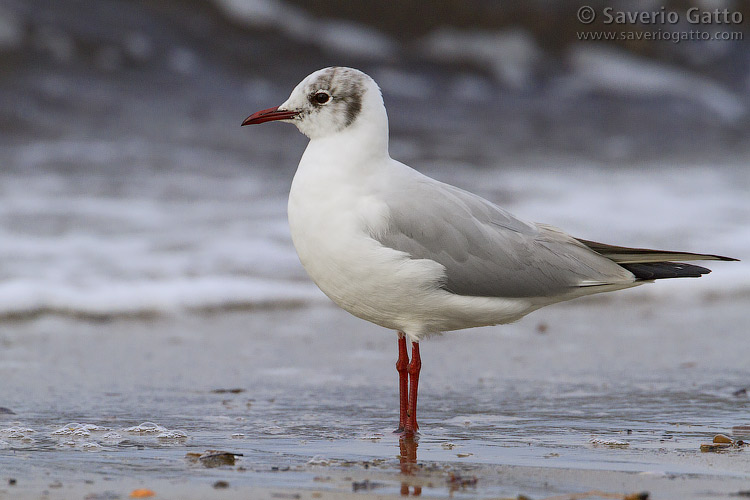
[{"x": 268, "y": 115}]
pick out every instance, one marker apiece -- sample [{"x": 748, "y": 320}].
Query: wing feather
[{"x": 485, "y": 250}]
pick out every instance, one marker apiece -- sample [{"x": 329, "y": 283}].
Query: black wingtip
[
  {"x": 728, "y": 259},
  {"x": 664, "y": 270}
]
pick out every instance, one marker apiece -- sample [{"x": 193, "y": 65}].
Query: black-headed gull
[{"x": 418, "y": 256}]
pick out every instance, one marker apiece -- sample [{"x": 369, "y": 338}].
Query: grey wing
[{"x": 485, "y": 250}]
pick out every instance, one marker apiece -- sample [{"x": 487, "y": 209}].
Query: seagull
[{"x": 418, "y": 256}]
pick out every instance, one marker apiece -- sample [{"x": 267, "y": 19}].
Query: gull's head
[{"x": 328, "y": 101}]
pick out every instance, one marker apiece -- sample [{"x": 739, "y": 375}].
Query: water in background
[{"x": 128, "y": 188}]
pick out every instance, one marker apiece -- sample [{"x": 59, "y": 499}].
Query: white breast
[{"x": 332, "y": 212}]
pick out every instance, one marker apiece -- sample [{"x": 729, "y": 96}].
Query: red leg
[
  {"x": 414, "y": 367},
  {"x": 402, "y": 366}
]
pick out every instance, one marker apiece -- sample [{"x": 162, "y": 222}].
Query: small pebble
[
  {"x": 142, "y": 493},
  {"x": 643, "y": 495},
  {"x": 221, "y": 484},
  {"x": 721, "y": 438},
  {"x": 213, "y": 458},
  {"x": 217, "y": 459},
  {"x": 12, "y": 481}
]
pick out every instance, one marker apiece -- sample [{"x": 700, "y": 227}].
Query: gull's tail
[{"x": 648, "y": 264}]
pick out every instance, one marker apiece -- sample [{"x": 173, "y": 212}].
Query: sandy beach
[{"x": 613, "y": 395}]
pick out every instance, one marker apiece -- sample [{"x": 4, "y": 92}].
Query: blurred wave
[
  {"x": 141, "y": 243},
  {"x": 182, "y": 69}
]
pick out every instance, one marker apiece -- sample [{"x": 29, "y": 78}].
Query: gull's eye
[{"x": 321, "y": 97}]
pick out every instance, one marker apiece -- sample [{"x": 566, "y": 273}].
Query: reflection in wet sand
[{"x": 408, "y": 462}]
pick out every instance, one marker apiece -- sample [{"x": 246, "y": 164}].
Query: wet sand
[{"x": 307, "y": 396}]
